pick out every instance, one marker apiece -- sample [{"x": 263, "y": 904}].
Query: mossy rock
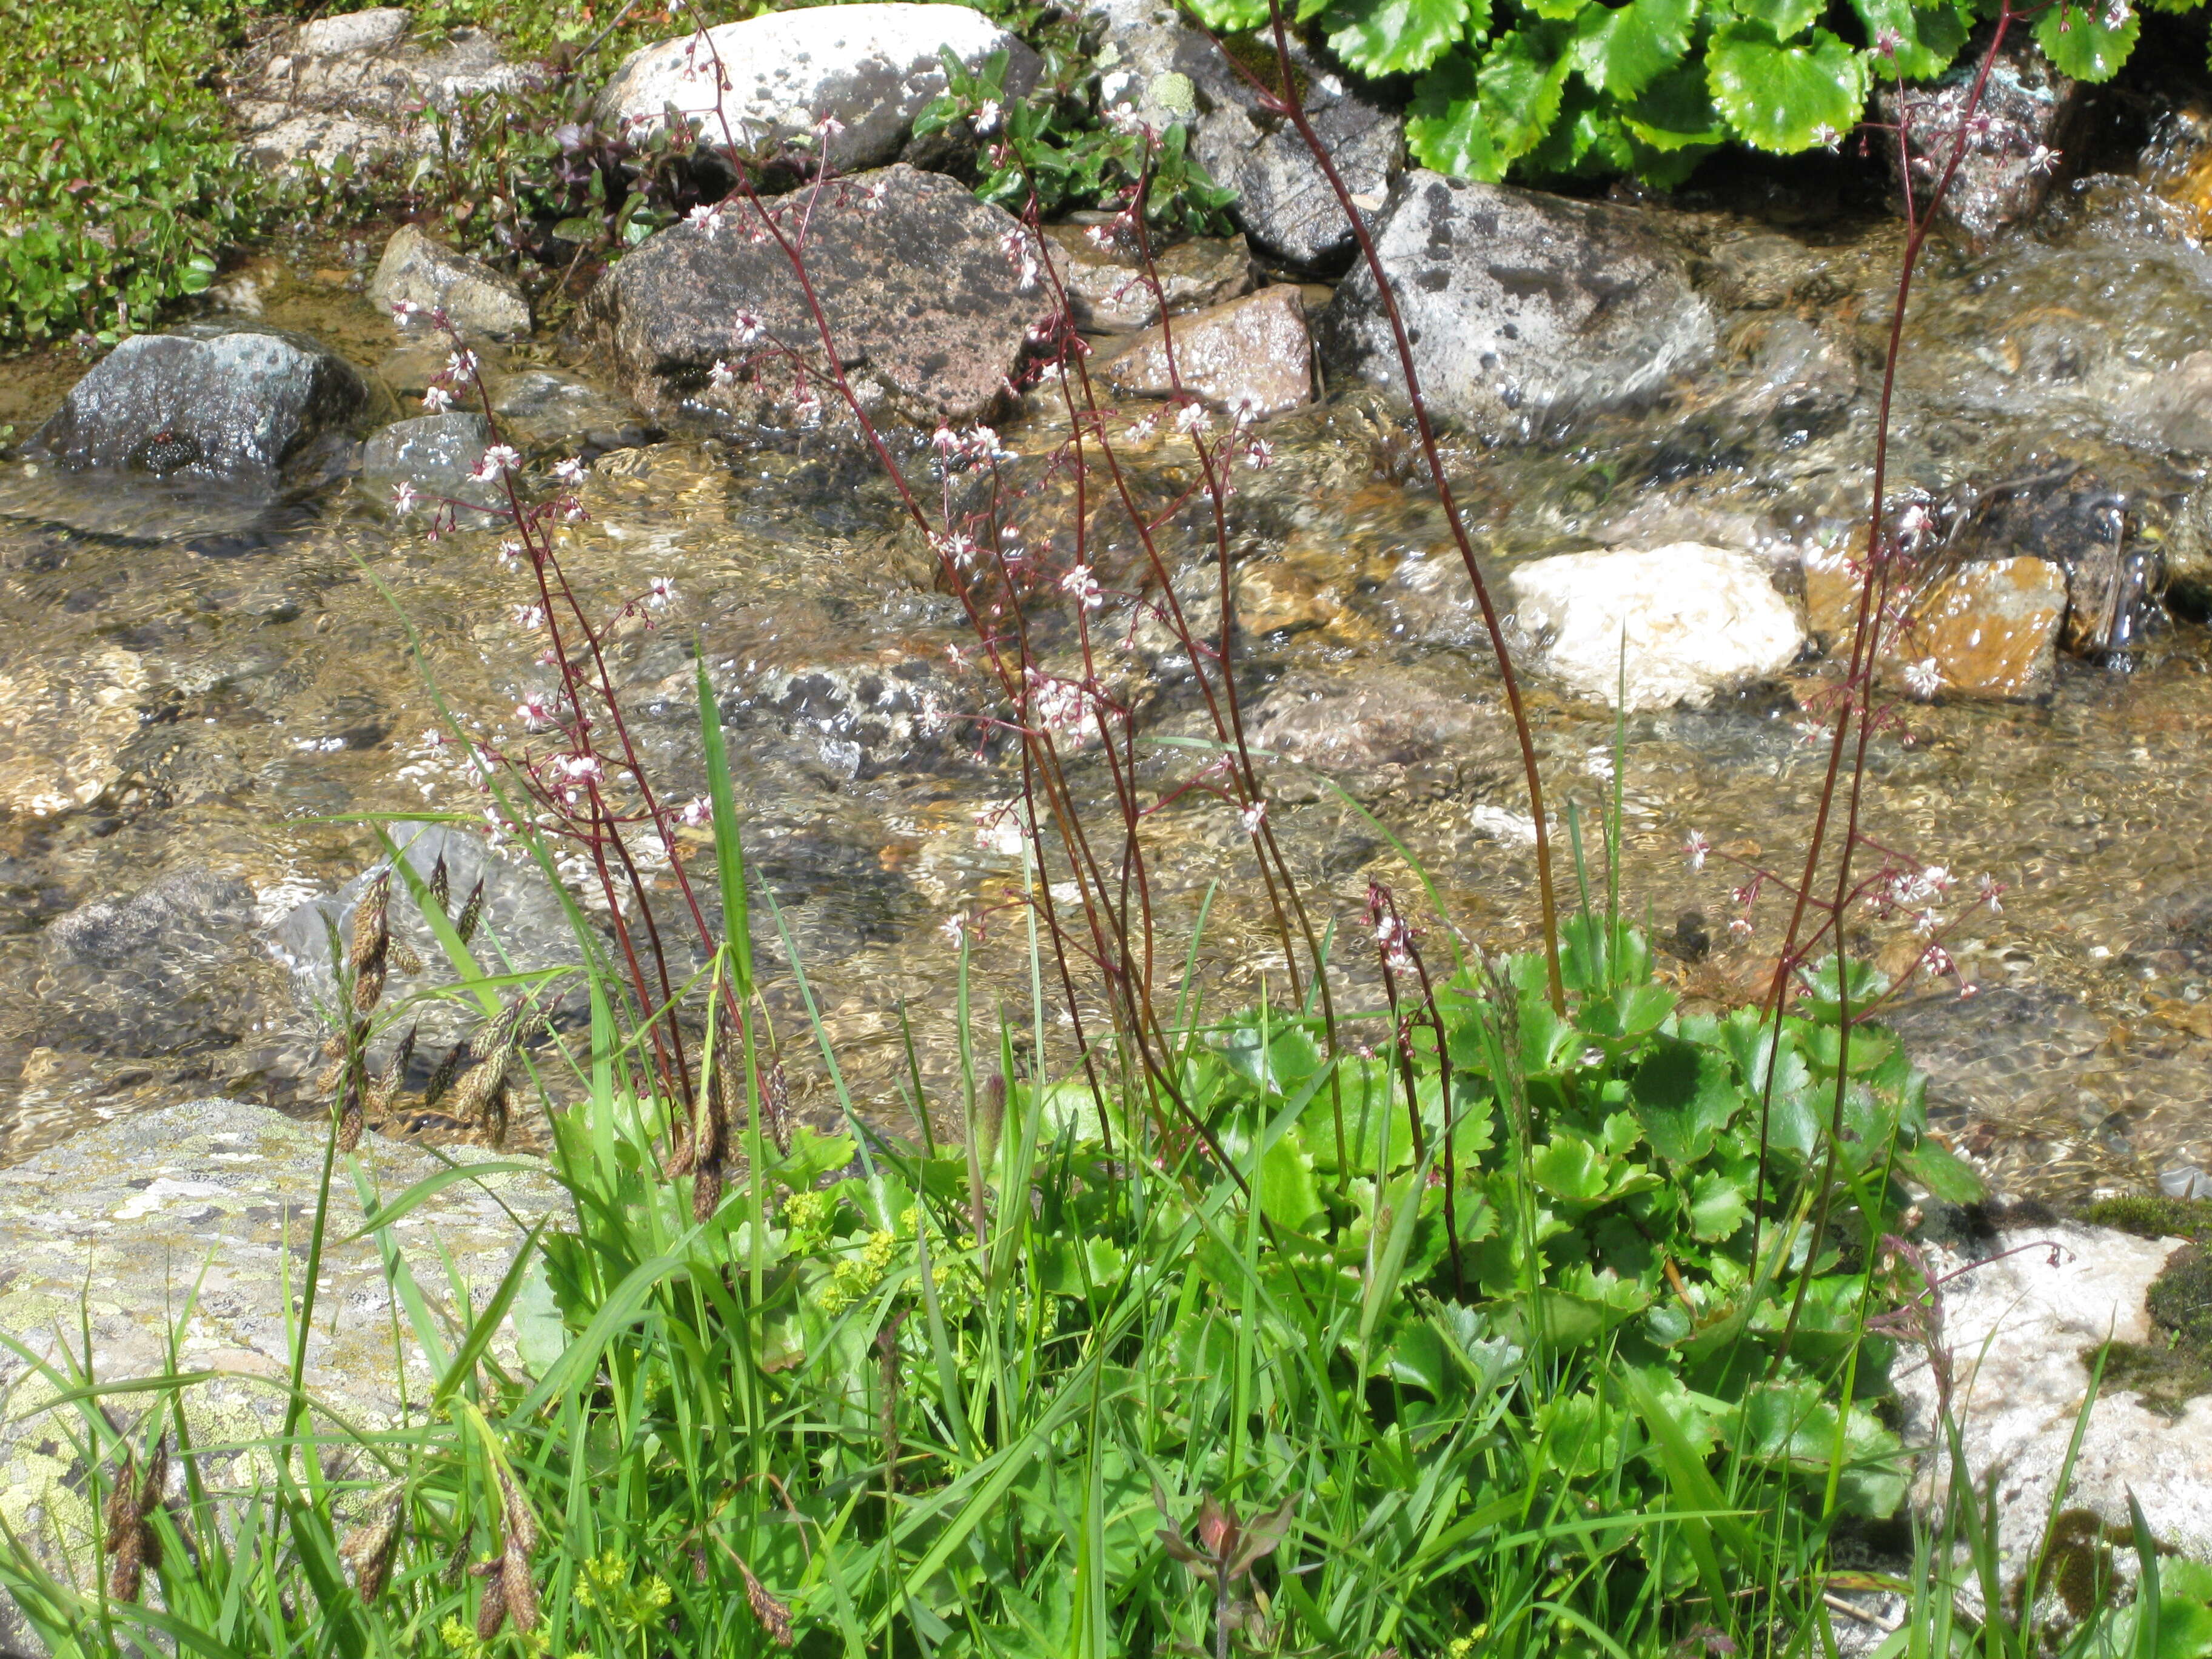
[
  {"x": 2150, "y": 1216},
  {"x": 2176, "y": 1365}
]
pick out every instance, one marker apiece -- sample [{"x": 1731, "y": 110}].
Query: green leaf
[
  {"x": 1928, "y": 39},
  {"x": 1942, "y": 1173},
  {"x": 1716, "y": 1207},
  {"x": 1568, "y": 1167},
  {"x": 1521, "y": 89},
  {"x": 1785, "y": 99},
  {"x": 1444, "y": 128},
  {"x": 1622, "y": 50},
  {"x": 1286, "y": 1188},
  {"x": 1675, "y": 113},
  {"x": 1784, "y": 18},
  {"x": 2075, "y": 38},
  {"x": 1390, "y": 37},
  {"x": 1684, "y": 1097}
]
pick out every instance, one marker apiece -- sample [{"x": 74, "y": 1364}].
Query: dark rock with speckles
[
  {"x": 924, "y": 299},
  {"x": 1521, "y": 307},
  {"x": 232, "y": 399}
]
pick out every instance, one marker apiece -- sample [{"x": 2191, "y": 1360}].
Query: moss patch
[
  {"x": 2175, "y": 1366},
  {"x": 2150, "y": 1217}
]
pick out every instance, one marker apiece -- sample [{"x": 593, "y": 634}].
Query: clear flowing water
[{"x": 199, "y": 698}]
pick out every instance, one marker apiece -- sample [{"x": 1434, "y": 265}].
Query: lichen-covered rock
[
  {"x": 1108, "y": 292},
  {"x": 419, "y": 270},
  {"x": 120, "y": 1224},
  {"x": 923, "y": 285},
  {"x": 1655, "y": 628},
  {"x": 2025, "y": 122},
  {"x": 2023, "y": 1313},
  {"x": 872, "y": 67},
  {"x": 230, "y": 399},
  {"x": 1252, "y": 355},
  {"x": 349, "y": 89},
  {"x": 1520, "y": 307}
]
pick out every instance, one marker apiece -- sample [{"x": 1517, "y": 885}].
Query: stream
[{"x": 201, "y": 698}]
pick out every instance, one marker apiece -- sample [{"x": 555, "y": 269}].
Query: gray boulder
[
  {"x": 433, "y": 455},
  {"x": 424, "y": 272},
  {"x": 1252, "y": 355},
  {"x": 228, "y": 399},
  {"x": 1168, "y": 73},
  {"x": 156, "y": 972},
  {"x": 1521, "y": 307},
  {"x": 925, "y": 289},
  {"x": 1107, "y": 289},
  {"x": 874, "y": 67}
]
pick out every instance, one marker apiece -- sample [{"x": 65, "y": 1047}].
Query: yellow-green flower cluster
[
  {"x": 859, "y": 1273},
  {"x": 603, "y": 1584}
]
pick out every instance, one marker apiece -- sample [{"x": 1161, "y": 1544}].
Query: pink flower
[
  {"x": 721, "y": 376},
  {"x": 1253, "y": 817},
  {"x": 581, "y": 768},
  {"x": 660, "y": 592},
  {"x": 698, "y": 811},
  {"x": 570, "y": 472},
  {"x": 706, "y": 217},
  {"x": 1082, "y": 585},
  {"x": 403, "y": 497},
  {"x": 748, "y": 327},
  {"x": 437, "y": 399},
  {"x": 496, "y": 460},
  {"x": 535, "y": 711}
]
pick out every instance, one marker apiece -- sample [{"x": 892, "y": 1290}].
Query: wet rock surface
[
  {"x": 1522, "y": 308},
  {"x": 930, "y": 314},
  {"x": 353, "y": 87},
  {"x": 872, "y": 66},
  {"x": 2029, "y": 116},
  {"x": 433, "y": 455},
  {"x": 1251, "y": 356},
  {"x": 233, "y": 400},
  {"x": 1990, "y": 629},
  {"x": 122, "y": 1224},
  {"x": 420, "y": 272},
  {"x": 1649, "y": 629}
]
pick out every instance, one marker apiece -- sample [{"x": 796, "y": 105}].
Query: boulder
[
  {"x": 231, "y": 399},
  {"x": 1167, "y": 73},
  {"x": 1681, "y": 623},
  {"x": 874, "y": 67},
  {"x": 925, "y": 288},
  {"x": 2021, "y": 1323},
  {"x": 1521, "y": 307},
  {"x": 1386, "y": 717},
  {"x": 433, "y": 455},
  {"x": 1107, "y": 290},
  {"x": 422, "y": 272},
  {"x": 1253, "y": 355},
  {"x": 347, "y": 90},
  {"x": 2026, "y": 125},
  {"x": 121, "y": 1224}
]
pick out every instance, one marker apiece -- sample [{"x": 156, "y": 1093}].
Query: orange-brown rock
[
  {"x": 1989, "y": 629},
  {"x": 1252, "y": 352}
]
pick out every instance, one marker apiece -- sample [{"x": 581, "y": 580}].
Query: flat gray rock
[
  {"x": 1521, "y": 307},
  {"x": 210, "y": 399},
  {"x": 118, "y": 1225},
  {"x": 874, "y": 67}
]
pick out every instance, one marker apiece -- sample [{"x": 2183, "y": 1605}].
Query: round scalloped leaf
[
  {"x": 1445, "y": 128},
  {"x": 2078, "y": 42},
  {"x": 1623, "y": 49},
  {"x": 1784, "y": 17},
  {"x": 1231, "y": 16},
  {"x": 1785, "y": 99},
  {"x": 1675, "y": 113},
  {"x": 1588, "y": 139},
  {"x": 1390, "y": 37},
  {"x": 1520, "y": 89},
  {"x": 1928, "y": 39}
]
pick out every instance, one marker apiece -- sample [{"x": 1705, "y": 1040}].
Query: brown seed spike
[
  {"x": 472, "y": 913},
  {"x": 441, "y": 882},
  {"x": 369, "y": 986},
  {"x": 775, "y": 1104},
  {"x": 521, "y": 1591},
  {"x": 491, "y": 1612},
  {"x": 404, "y": 959},
  {"x": 774, "y": 1615},
  {"x": 442, "y": 1079},
  {"x": 122, "y": 1511},
  {"x": 372, "y": 928},
  {"x": 372, "y": 1548},
  {"x": 706, "y": 1191},
  {"x": 351, "y": 1122}
]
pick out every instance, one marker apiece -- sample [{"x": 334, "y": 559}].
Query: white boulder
[
  {"x": 1691, "y": 619},
  {"x": 874, "y": 67}
]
